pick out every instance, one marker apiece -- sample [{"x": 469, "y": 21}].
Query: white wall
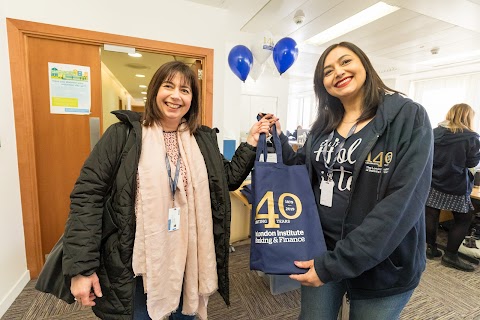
[
  {"x": 238, "y": 118},
  {"x": 170, "y": 21},
  {"x": 13, "y": 264},
  {"x": 112, "y": 90}
]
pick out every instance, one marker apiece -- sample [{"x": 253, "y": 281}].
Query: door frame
[{"x": 18, "y": 32}]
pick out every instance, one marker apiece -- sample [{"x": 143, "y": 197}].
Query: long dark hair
[
  {"x": 330, "y": 109},
  {"x": 167, "y": 72}
]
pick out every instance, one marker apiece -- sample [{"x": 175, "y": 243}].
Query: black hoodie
[
  {"x": 454, "y": 153},
  {"x": 382, "y": 247}
]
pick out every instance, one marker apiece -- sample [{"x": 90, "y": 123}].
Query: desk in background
[
  {"x": 475, "y": 193},
  {"x": 295, "y": 145},
  {"x": 240, "y": 226},
  {"x": 447, "y": 215},
  {"x": 241, "y": 209}
]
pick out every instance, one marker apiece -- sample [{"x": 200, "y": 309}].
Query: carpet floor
[{"x": 443, "y": 293}]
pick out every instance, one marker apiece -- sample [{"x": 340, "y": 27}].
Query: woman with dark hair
[
  {"x": 369, "y": 155},
  {"x": 169, "y": 204},
  {"x": 456, "y": 149}
]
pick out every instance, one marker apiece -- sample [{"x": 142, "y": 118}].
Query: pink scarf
[{"x": 169, "y": 259}]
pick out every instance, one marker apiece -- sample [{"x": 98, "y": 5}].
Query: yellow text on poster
[{"x": 65, "y": 102}]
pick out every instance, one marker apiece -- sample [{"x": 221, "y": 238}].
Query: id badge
[
  {"x": 173, "y": 219},
  {"x": 326, "y": 193}
]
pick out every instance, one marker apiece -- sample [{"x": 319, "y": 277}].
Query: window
[
  {"x": 301, "y": 111},
  {"x": 440, "y": 94}
]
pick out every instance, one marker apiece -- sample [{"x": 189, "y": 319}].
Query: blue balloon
[
  {"x": 240, "y": 60},
  {"x": 284, "y": 54}
]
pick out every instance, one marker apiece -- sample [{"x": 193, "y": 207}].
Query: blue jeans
[
  {"x": 323, "y": 303},
  {"x": 140, "y": 305}
]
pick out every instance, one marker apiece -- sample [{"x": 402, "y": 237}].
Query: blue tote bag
[{"x": 285, "y": 225}]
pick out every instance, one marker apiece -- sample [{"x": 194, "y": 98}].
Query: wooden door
[
  {"x": 62, "y": 141},
  {"x": 22, "y": 59}
]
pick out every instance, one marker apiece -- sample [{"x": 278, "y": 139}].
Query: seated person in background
[
  {"x": 456, "y": 148},
  {"x": 294, "y": 134}
]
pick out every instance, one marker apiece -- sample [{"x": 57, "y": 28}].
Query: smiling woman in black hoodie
[
  {"x": 369, "y": 155},
  {"x": 456, "y": 149}
]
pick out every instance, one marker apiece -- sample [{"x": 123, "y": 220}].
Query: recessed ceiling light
[
  {"x": 370, "y": 14},
  {"x": 140, "y": 75},
  {"x": 135, "y": 55},
  {"x": 143, "y": 92},
  {"x": 142, "y": 86}
]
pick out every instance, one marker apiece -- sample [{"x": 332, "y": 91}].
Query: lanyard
[
  {"x": 337, "y": 150},
  {"x": 173, "y": 182}
]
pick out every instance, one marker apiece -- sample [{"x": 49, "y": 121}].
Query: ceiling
[{"x": 399, "y": 44}]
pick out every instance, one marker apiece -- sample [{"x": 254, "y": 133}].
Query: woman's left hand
[
  {"x": 310, "y": 278},
  {"x": 262, "y": 126}
]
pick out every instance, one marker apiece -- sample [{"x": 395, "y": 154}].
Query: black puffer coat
[{"x": 102, "y": 242}]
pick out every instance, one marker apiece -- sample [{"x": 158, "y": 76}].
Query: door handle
[{"x": 94, "y": 131}]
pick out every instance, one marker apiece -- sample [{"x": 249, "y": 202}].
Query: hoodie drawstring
[{"x": 383, "y": 160}]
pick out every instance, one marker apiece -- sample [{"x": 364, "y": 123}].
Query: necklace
[{"x": 349, "y": 121}]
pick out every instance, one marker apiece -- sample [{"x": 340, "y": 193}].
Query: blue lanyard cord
[
  {"x": 337, "y": 150},
  {"x": 173, "y": 182}
]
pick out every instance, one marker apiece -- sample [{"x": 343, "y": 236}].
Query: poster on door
[{"x": 69, "y": 88}]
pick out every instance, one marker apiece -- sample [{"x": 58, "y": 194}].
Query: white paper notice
[{"x": 69, "y": 88}]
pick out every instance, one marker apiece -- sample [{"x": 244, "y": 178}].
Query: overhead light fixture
[
  {"x": 114, "y": 48},
  {"x": 468, "y": 56},
  {"x": 142, "y": 86},
  {"x": 135, "y": 55},
  {"x": 143, "y": 92},
  {"x": 140, "y": 75},
  {"x": 364, "y": 17}
]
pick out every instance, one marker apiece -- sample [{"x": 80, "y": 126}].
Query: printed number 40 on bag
[{"x": 289, "y": 206}]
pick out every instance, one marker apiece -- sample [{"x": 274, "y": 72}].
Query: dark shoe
[
  {"x": 433, "y": 252},
  {"x": 453, "y": 261}
]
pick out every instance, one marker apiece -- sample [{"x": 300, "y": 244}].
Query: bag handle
[
  {"x": 308, "y": 161},
  {"x": 277, "y": 143},
  {"x": 262, "y": 146}
]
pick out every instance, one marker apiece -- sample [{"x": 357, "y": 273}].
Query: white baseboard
[{"x": 14, "y": 293}]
